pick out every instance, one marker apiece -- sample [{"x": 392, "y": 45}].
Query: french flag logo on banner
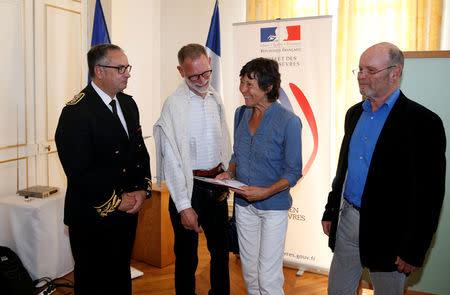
[
  {"x": 213, "y": 50},
  {"x": 287, "y": 33}
]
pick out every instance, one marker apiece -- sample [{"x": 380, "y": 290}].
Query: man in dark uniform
[{"x": 103, "y": 154}]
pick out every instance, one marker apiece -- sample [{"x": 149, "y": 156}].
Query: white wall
[
  {"x": 136, "y": 28},
  {"x": 152, "y": 32}
]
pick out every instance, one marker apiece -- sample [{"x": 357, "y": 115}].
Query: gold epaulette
[
  {"x": 109, "y": 206},
  {"x": 149, "y": 184},
  {"x": 76, "y": 99}
]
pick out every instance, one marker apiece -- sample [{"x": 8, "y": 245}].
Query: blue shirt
[
  {"x": 362, "y": 145},
  {"x": 273, "y": 152}
]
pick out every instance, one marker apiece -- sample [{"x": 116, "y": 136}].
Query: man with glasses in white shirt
[
  {"x": 192, "y": 139},
  {"x": 103, "y": 154}
]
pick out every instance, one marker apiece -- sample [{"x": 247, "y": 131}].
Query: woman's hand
[
  {"x": 253, "y": 193},
  {"x": 256, "y": 193},
  {"x": 223, "y": 176}
]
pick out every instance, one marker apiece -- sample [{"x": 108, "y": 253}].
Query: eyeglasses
[
  {"x": 120, "y": 69},
  {"x": 205, "y": 75},
  {"x": 357, "y": 72}
]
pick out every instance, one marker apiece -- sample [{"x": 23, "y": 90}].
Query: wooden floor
[{"x": 160, "y": 281}]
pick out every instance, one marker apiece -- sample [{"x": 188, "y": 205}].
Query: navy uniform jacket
[
  {"x": 405, "y": 186},
  {"x": 99, "y": 160}
]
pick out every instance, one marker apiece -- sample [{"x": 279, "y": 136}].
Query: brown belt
[{"x": 204, "y": 173}]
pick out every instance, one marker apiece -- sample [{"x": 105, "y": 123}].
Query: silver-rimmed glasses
[{"x": 357, "y": 72}]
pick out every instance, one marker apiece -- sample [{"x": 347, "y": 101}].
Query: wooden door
[{"x": 43, "y": 53}]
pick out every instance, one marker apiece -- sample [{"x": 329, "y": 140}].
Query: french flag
[
  {"x": 99, "y": 31},
  {"x": 213, "y": 50}
]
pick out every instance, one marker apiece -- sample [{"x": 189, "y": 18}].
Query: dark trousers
[
  {"x": 102, "y": 258},
  {"x": 213, "y": 218}
]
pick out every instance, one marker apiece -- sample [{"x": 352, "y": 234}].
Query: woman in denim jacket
[{"x": 267, "y": 158}]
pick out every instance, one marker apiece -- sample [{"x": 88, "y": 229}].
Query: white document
[{"x": 226, "y": 182}]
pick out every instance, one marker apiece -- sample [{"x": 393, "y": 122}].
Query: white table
[{"x": 35, "y": 231}]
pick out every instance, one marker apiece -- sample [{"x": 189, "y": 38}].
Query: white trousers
[{"x": 261, "y": 235}]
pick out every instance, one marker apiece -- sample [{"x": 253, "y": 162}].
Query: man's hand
[
  {"x": 404, "y": 267},
  {"x": 326, "y": 225},
  {"x": 189, "y": 220},
  {"x": 140, "y": 197},
  {"x": 127, "y": 203}
]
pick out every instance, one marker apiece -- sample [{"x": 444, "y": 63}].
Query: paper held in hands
[{"x": 226, "y": 182}]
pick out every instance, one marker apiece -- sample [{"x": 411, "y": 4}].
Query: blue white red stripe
[{"x": 213, "y": 50}]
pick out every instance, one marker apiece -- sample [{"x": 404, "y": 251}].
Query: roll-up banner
[{"x": 303, "y": 49}]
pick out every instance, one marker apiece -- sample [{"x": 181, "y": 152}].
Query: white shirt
[
  {"x": 173, "y": 142},
  {"x": 107, "y": 100},
  {"x": 204, "y": 132}
]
